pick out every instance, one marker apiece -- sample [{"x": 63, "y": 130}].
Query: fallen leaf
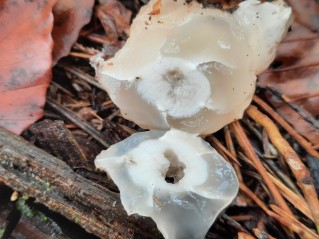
[
  {"x": 306, "y": 12},
  {"x": 69, "y": 17},
  {"x": 294, "y": 74},
  {"x": 115, "y": 18},
  {"x": 26, "y": 54},
  {"x": 25, "y": 62}
]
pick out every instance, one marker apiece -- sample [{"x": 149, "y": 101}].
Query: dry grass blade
[
  {"x": 297, "y": 167},
  {"x": 303, "y": 142},
  {"x": 284, "y": 218},
  {"x": 304, "y": 231},
  {"x": 232, "y": 150},
  {"x": 293, "y": 198},
  {"x": 246, "y": 145}
]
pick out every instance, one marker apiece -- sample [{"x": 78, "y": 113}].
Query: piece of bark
[
  {"x": 57, "y": 140},
  {"x": 37, "y": 174},
  {"x": 34, "y": 227}
]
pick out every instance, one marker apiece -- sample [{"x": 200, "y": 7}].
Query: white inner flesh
[{"x": 175, "y": 86}]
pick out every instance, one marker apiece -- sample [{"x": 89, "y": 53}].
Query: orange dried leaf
[
  {"x": 306, "y": 12},
  {"x": 25, "y": 62},
  {"x": 69, "y": 17},
  {"x": 294, "y": 74},
  {"x": 115, "y": 18},
  {"x": 26, "y": 54}
]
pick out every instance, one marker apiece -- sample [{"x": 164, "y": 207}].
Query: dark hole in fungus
[{"x": 176, "y": 168}]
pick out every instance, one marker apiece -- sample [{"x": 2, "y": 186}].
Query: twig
[
  {"x": 297, "y": 167},
  {"x": 80, "y": 55},
  {"x": 290, "y": 222},
  {"x": 295, "y": 223},
  {"x": 89, "y": 79},
  {"x": 230, "y": 221},
  {"x": 294, "y": 199},
  {"x": 232, "y": 150},
  {"x": 303, "y": 142},
  {"x": 80, "y": 122},
  {"x": 246, "y": 145}
]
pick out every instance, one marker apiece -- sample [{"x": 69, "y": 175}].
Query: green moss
[
  {"x": 23, "y": 208},
  {"x": 27, "y": 211},
  {"x": 77, "y": 219},
  {"x": 1, "y": 232},
  {"x": 47, "y": 187},
  {"x": 43, "y": 217}
]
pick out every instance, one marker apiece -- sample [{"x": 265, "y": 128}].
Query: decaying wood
[
  {"x": 35, "y": 227},
  {"x": 35, "y": 173},
  {"x": 56, "y": 139}
]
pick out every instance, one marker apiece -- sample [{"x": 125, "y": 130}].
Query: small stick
[
  {"x": 248, "y": 148},
  {"x": 83, "y": 76},
  {"x": 231, "y": 148},
  {"x": 295, "y": 222},
  {"x": 293, "y": 198},
  {"x": 290, "y": 222},
  {"x": 297, "y": 167},
  {"x": 230, "y": 221},
  {"x": 80, "y": 122},
  {"x": 303, "y": 142}
]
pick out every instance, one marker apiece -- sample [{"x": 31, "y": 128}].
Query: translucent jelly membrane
[
  {"x": 214, "y": 55},
  {"x": 175, "y": 178}
]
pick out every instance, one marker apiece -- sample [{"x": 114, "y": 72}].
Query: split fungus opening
[
  {"x": 175, "y": 171},
  {"x": 187, "y": 203}
]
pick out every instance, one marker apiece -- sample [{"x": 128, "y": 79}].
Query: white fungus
[
  {"x": 190, "y": 67},
  {"x": 201, "y": 182},
  {"x": 194, "y": 69}
]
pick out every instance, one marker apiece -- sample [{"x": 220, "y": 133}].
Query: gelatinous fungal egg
[
  {"x": 192, "y": 68},
  {"x": 174, "y": 177}
]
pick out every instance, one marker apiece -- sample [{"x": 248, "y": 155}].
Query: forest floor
[{"x": 49, "y": 187}]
